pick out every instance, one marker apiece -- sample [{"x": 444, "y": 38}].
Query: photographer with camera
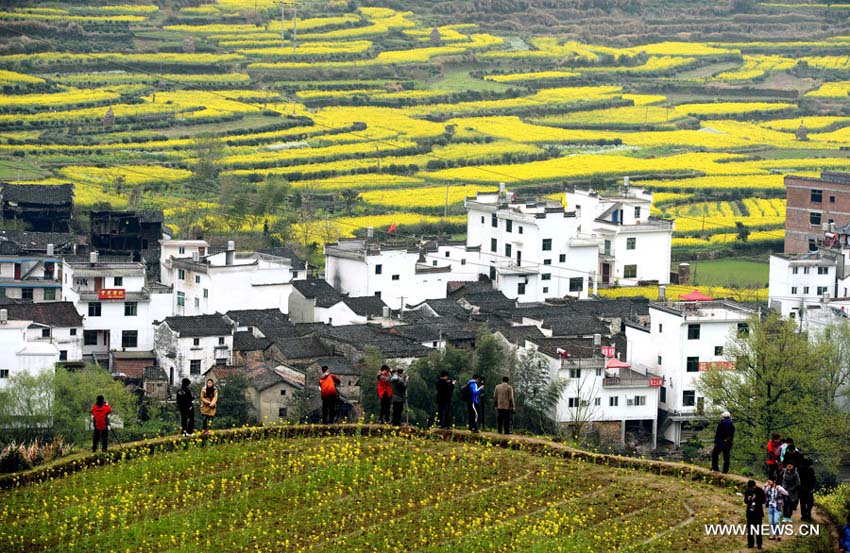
[
  {"x": 100, "y": 413},
  {"x": 445, "y": 389},
  {"x": 471, "y": 394}
]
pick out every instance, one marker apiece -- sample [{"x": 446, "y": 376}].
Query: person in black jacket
[
  {"x": 723, "y": 438},
  {"x": 754, "y": 500},
  {"x": 186, "y": 408},
  {"x": 445, "y": 390},
  {"x": 808, "y": 483}
]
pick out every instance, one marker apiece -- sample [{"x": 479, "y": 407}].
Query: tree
[
  {"x": 537, "y": 393},
  {"x": 777, "y": 386},
  {"x": 369, "y": 366},
  {"x": 835, "y": 339},
  {"x": 742, "y": 231},
  {"x": 207, "y": 151},
  {"x": 424, "y": 375},
  {"x": 109, "y": 118},
  {"x": 234, "y": 408}
]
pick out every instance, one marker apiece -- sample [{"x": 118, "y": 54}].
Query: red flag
[{"x": 392, "y": 228}]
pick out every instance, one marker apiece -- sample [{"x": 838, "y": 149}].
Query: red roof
[
  {"x": 696, "y": 295},
  {"x": 614, "y": 363}
]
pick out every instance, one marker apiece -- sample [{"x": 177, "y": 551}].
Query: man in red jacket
[
  {"x": 328, "y": 383},
  {"x": 100, "y": 412},
  {"x": 385, "y": 393}
]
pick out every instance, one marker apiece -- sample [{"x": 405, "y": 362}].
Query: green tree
[
  {"x": 538, "y": 393},
  {"x": 25, "y": 406},
  {"x": 207, "y": 151},
  {"x": 424, "y": 374},
  {"x": 369, "y": 366},
  {"x": 233, "y": 408}
]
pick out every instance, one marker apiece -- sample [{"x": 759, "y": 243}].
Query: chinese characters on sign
[
  {"x": 111, "y": 294},
  {"x": 655, "y": 382},
  {"x": 716, "y": 365},
  {"x": 608, "y": 351}
]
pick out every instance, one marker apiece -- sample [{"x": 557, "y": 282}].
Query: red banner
[
  {"x": 111, "y": 294},
  {"x": 716, "y": 365},
  {"x": 655, "y": 382},
  {"x": 608, "y": 351}
]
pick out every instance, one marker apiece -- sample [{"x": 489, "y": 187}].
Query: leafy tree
[
  {"x": 538, "y": 394},
  {"x": 369, "y": 366},
  {"x": 742, "y": 231},
  {"x": 234, "y": 408},
  {"x": 835, "y": 339},
  {"x": 424, "y": 375},
  {"x": 207, "y": 151}
]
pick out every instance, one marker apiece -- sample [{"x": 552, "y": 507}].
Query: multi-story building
[
  {"x": 681, "y": 341},
  {"x": 20, "y": 352},
  {"x": 43, "y": 207},
  {"x": 186, "y": 347},
  {"x": 115, "y": 301},
  {"x": 57, "y": 323},
  {"x": 633, "y": 246},
  {"x": 31, "y": 264},
  {"x": 811, "y": 205},
  {"x": 130, "y": 233},
  {"x": 178, "y": 249}
]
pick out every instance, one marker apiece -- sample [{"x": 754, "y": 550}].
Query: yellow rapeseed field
[{"x": 423, "y": 197}]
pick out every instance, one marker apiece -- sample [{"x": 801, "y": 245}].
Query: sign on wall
[
  {"x": 716, "y": 365},
  {"x": 111, "y": 294},
  {"x": 655, "y": 382},
  {"x": 608, "y": 351}
]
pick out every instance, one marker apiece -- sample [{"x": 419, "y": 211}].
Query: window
[
  {"x": 4, "y": 373},
  {"x": 659, "y": 360},
  {"x": 492, "y": 273},
  {"x": 197, "y": 303},
  {"x": 598, "y": 372},
  {"x": 817, "y": 196},
  {"x": 131, "y": 308},
  {"x": 181, "y": 274},
  {"x": 546, "y": 276},
  {"x": 805, "y": 289},
  {"x": 281, "y": 411},
  {"x": 129, "y": 338},
  {"x": 575, "y": 373},
  {"x": 832, "y": 199},
  {"x": 45, "y": 333},
  {"x": 813, "y": 245},
  {"x": 434, "y": 263},
  {"x": 577, "y": 284},
  {"x": 630, "y": 271},
  {"x": 26, "y": 293},
  {"x": 597, "y": 401},
  {"x": 795, "y": 270},
  {"x": 572, "y": 402},
  {"x": 221, "y": 361},
  {"x": 447, "y": 254},
  {"x": 494, "y": 245},
  {"x": 482, "y": 219},
  {"x": 822, "y": 290},
  {"x": 692, "y": 365},
  {"x": 693, "y": 332},
  {"x": 637, "y": 213},
  {"x": 206, "y": 293},
  {"x": 823, "y": 270},
  {"x": 195, "y": 366},
  {"x": 662, "y": 395},
  {"x": 378, "y": 294},
  {"x": 613, "y": 401},
  {"x": 631, "y": 243},
  {"x": 395, "y": 277},
  {"x": 660, "y": 328},
  {"x": 718, "y": 350},
  {"x": 520, "y": 289},
  {"x": 562, "y": 258},
  {"x": 494, "y": 221},
  {"x": 181, "y": 299},
  {"x": 463, "y": 261},
  {"x": 507, "y": 250},
  {"x": 2, "y": 292},
  {"x": 89, "y": 337},
  {"x": 547, "y": 261},
  {"x": 689, "y": 398},
  {"x": 73, "y": 332},
  {"x": 806, "y": 270},
  {"x": 196, "y": 341},
  {"x": 545, "y": 289},
  {"x": 283, "y": 392},
  {"x": 793, "y": 289},
  {"x": 63, "y": 355},
  {"x": 814, "y": 218},
  {"x": 520, "y": 229},
  {"x": 49, "y": 294},
  {"x": 379, "y": 269},
  {"x": 547, "y": 244},
  {"x": 118, "y": 281},
  {"x": 509, "y": 226},
  {"x": 639, "y": 401},
  {"x": 221, "y": 340},
  {"x": 181, "y": 250},
  {"x": 94, "y": 309},
  {"x": 197, "y": 279}
]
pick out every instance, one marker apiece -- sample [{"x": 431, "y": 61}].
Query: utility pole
[
  {"x": 446, "y": 210},
  {"x": 294, "y": 25},
  {"x": 282, "y": 21}
]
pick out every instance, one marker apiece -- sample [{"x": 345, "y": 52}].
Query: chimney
[
  {"x": 662, "y": 291},
  {"x": 93, "y": 258},
  {"x": 370, "y": 233},
  {"x": 385, "y": 312},
  {"x": 230, "y": 254},
  {"x": 597, "y": 341},
  {"x": 4, "y": 316},
  {"x": 684, "y": 273},
  {"x": 501, "y": 188},
  {"x": 50, "y": 250},
  {"x": 196, "y": 257}
]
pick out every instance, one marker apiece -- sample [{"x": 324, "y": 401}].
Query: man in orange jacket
[
  {"x": 328, "y": 383},
  {"x": 100, "y": 412}
]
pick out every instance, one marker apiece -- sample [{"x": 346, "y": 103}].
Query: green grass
[
  {"x": 11, "y": 168},
  {"x": 747, "y": 273},
  {"x": 459, "y": 80}
]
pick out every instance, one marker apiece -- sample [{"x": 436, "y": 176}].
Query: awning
[
  {"x": 614, "y": 363},
  {"x": 696, "y": 295}
]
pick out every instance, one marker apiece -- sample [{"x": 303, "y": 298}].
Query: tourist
[
  {"x": 503, "y": 397},
  {"x": 773, "y": 456},
  {"x": 327, "y": 384},
  {"x": 792, "y": 456},
  {"x": 100, "y": 413},
  {"x": 385, "y": 394},
  {"x": 774, "y": 497},
  {"x": 471, "y": 394},
  {"x": 445, "y": 390},
  {"x": 399, "y": 383},
  {"x": 808, "y": 483},
  {"x": 186, "y": 408},
  {"x": 844, "y": 538},
  {"x": 790, "y": 480},
  {"x": 723, "y": 438},
  {"x": 754, "y": 500},
  {"x": 209, "y": 402}
]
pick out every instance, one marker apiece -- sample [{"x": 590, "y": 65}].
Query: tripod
[{"x": 115, "y": 437}]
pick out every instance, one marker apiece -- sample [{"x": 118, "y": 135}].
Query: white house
[
  {"x": 228, "y": 280},
  {"x": 178, "y": 249},
  {"x": 315, "y": 301},
  {"x": 530, "y": 250},
  {"x": 681, "y": 341},
  {"x": 115, "y": 301},
  {"x": 633, "y": 246},
  {"x": 29, "y": 268},
  {"x": 19, "y": 353},
  {"x": 57, "y": 323},
  {"x": 186, "y": 347}
]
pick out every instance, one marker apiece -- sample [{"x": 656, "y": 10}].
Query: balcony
[
  {"x": 652, "y": 223},
  {"x": 627, "y": 378}
]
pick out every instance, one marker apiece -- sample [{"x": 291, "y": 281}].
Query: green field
[{"x": 746, "y": 273}]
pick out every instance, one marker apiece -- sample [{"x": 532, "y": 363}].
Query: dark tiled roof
[
  {"x": 259, "y": 318},
  {"x": 29, "y": 241},
  {"x": 48, "y": 194},
  {"x": 155, "y": 373},
  {"x": 58, "y": 313},
  {"x": 360, "y": 336},
  {"x": 339, "y": 365},
  {"x": 245, "y": 341},
  {"x": 490, "y": 301},
  {"x": 318, "y": 289},
  {"x": 262, "y": 377},
  {"x": 447, "y": 308},
  {"x": 366, "y": 306},
  {"x": 576, "y": 326},
  {"x": 578, "y": 348},
  {"x": 302, "y": 348},
  {"x": 298, "y": 264},
  {"x": 460, "y": 289},
  {"x": 199, "y": 325},
  {"x": 519, "y": 334}
]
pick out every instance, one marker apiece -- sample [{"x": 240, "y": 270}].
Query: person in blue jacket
[
  {"x": 473, "y": 405},
  {"x": 844, "y": 538}
]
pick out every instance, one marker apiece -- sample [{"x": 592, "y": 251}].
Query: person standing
[
  {"x": 754, "y": 500},
  {"x": 209, "y": 402},
  {"x": 808, "y": 483},
  {"x": 790, "y": 480},
  {"x": 774, "y": 496},
  {"x": 503, "y": 397},
  {"x": 445, "y": 390},
  {"x": 327, "y": 384},
  {"x": 100, "y": 412},
  {"x": 723, "y": 438},
  {"x": 385, "y": 394},
  {"x": 473, "y": 400},
  {"x": 773, "y": 456},
  {"x": 399, "y": 383},
  {"x": 187, "y": 409}
]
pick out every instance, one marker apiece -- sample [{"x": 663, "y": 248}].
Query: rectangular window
[
  {"x": 507, "y": 250},
  {"x": 45, "y": 333},
  {"x": 378, "y": 294},
  {"x": 795, "y": 270},
  {"x": 598, "y": 372},
  {"x": 509, "y": 226},
  {"x": 597, "y": 401},
  {"x": 718, "y": 350},
  {"x": 659, "y": 360},
  {"x": 181, "y": 251},
  {"x": 283, "y": 392},
  {"x": 743, "y": 328},
  {"x": 195, "y": 366},
  {"x": 131, "y": 308},
  {"x": 49, "y": 294},
  {"x": 447, "y": 254},
  {"x": 129, "y": 338},
  {"x": 196, "y": 341},
  {"x": 73, "y": 332},
  {"x": 613, "y": 401},
  {"x": 630, "y": 271},
  {"x": 197, "y": 303},
  {"x": 545, "y": 289},
  {"x": 547, "y": 261},
  {"x": 94, "y": 309},
  {"x": 463, "y": 261},
  {"x": 2, "y": 292},
  {"x": 793, "y": 289},
  {"x": 547, "y": 244},
  {"x": 575, "y": 373},
  {"x": 89, "y": 337},
  {"x": 823, "y": 270},
  {"x": 637, "y": 213},
  {"x": 395, "y": 277},
  {"x": 631, "y": 243},
  {"x": 639, "y": 401},
  {"x": 63, "y": 355},
  {"x": 805, "y": 289},
  {"x": 494, "y": 221},
  {"x": 572, "y": 402},
  {"x": 546, "y": 276},
  {"x": 206, "y": 293},
  {"x": 221, "y": 361},
  {"x": 806, "y": 270},
  {"x": 181, "y": 274},
  {"x": 494, "y": 245},
  {"x": 832, "y": 199},
  {"x": 118, "y": 281},
  {"x": 197, "y": 279},
  {"x": 814, "y": 218},
  {"x": 221, "y": 340},
  {"x": 520, "y": 289},
  {"x": 181, "y": 299},
  {"x": 379, "y": 269},
  {"x": 692, "y": 365},
  {"x": 577, "y": 284},
  {"x": 520, "y": 229},
  {"x": 662, "y": 395},
  {"x": 281, "y": 411},
  {"x": 689, "y": 398},
  {"x": 562, "y": 258},
  {"x": 693, "y": 332},
  {"x": 4, "y": 373},
  {"x": 817, "y": 196},
  {"x": 26, "y": 293},
  {"x": 822, "y": 290},
  {"x": 660, "y": 328}
]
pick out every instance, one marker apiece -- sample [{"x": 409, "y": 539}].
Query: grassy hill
[{"x": 385, "y": 492}]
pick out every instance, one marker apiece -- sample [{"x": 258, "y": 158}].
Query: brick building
[{"x": 812, "y": 203}]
